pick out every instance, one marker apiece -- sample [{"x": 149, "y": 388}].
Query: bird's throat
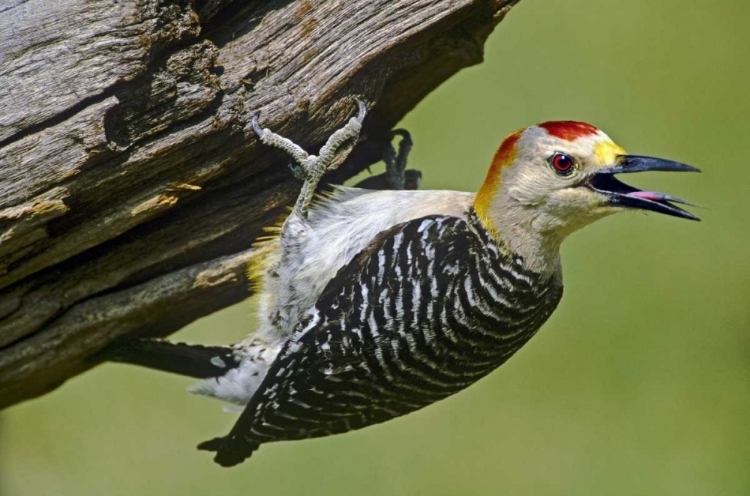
[{"x": 524, "y": 233}]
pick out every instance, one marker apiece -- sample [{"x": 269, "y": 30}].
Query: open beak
[{"x": 620, "y": 194}]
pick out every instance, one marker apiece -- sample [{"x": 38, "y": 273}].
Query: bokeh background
[{"x": 639, "y": 383}]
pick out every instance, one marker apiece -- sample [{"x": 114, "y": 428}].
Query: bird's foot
[
  {"x": 395, "y": 161},
  {"x": 311, "y": 168},
  {"x": 396, "y": 176}
]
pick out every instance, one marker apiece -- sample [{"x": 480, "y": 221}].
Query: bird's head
[{"x": 549, "y": 180}]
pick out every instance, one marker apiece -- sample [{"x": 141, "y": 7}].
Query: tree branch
[{"x": 130, "y": 184}]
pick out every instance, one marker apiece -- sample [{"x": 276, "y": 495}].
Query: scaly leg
[
  {"x": 395, "y": 162},
  {"x": 396, "y": 177},
  {"x": 311, "y": 167}
]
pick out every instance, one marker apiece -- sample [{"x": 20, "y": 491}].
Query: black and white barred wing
[{"x": 368, "y": 351}]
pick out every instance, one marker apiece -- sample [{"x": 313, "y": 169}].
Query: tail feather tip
[{"x": 229, "y": 452}]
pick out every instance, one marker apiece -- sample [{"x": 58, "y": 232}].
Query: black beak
[{"x": 620, "y": 194}]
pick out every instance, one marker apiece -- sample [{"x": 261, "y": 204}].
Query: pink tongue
[{"x": 647, "y": 195}]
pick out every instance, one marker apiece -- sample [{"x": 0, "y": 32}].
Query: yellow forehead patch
[{"x": 606, "y": 152}]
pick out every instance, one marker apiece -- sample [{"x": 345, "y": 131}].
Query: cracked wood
[{"x": 131, "y": 188}]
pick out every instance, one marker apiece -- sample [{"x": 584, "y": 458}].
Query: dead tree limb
[{"x": 130, "y": 185}]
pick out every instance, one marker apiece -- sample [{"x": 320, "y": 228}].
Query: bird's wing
[{"x": 329, "y": 351}]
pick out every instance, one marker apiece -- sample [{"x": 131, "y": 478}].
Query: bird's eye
[{"x": 563, "y": 164}]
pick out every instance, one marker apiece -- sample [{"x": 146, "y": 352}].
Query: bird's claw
[
  {"x": 395, "y": 162},
  {"x": 298, "y": 171},
  {"x": 362, "y": 110},
  {"x": 311, "y": 168},
  {"x": 256, "y": 127}
]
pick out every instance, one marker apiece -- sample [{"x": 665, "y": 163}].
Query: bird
[{"x": 377, "y": 303}]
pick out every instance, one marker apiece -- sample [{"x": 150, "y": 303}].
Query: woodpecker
[{"x": 375, "y": 304}]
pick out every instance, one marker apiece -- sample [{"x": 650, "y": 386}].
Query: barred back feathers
[{"x": 431, "y": 306}]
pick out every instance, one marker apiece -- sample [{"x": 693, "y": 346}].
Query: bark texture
[{"x": 131, "y": 185}]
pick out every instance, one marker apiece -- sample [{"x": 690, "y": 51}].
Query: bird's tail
[
  {"x": 230, "y": 450},
  {"x": 202, "y": 362}
]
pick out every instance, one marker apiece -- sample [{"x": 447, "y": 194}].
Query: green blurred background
[{"x": 639, "y": 384}]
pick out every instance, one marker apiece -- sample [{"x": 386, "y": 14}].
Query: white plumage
[{"x": 338, "y": 226}]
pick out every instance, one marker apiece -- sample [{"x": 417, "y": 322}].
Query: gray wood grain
[{"x": 131, "y": 187}]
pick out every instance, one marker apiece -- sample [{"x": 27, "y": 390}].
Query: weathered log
[{"x": 131, "y": 185}]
